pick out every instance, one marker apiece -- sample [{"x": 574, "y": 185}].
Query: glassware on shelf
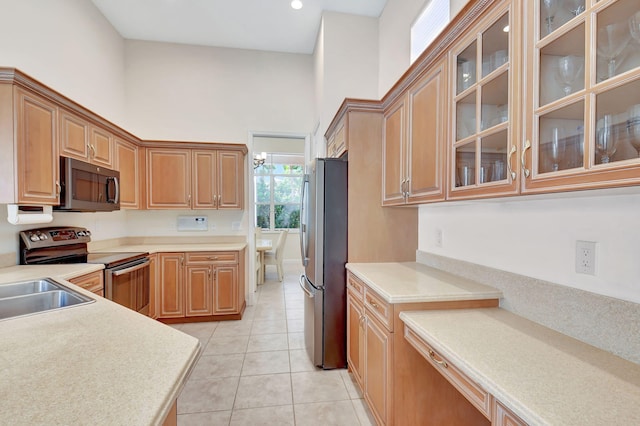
[
  {"x": 498, "y": 171},
  {"x": 606, "y": 140},
  {"x": 633, "y": 127},
  {"x": 466, "y": 175},
  {"x": 550, "y": 8},
  {"x": 467, "y": 74},
  {"x": 634, "y": 26},
  {"x": 568, "y": 70},
  {"x": 612, "y": 40},
  {"x": 556, "y": 147},
  {"x": 576, "y": 7}
]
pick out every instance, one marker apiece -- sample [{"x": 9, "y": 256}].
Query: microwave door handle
[
  {"x": 117, "y": 185},
  {"x": 131, "y": 269}
]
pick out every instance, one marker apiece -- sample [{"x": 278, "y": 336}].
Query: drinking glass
[
  {"x": 612, "y": 39},
  {"x": 576, "y": 7},
  {"x": 633, "y": 127},
  {"x": 606, "y": 139},
  {"x": 467, "y": 74},
  {"x": 556, "y": 147},
  {"x": 568, "y": 70},
  {"x": 634, "y": 26},
  {"x": 550, "y": 8}
]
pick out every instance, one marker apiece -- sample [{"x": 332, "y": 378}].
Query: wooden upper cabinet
[
  {"x": 195, "y": 178},
  {"x": 36, "y": 132},
  {"x": 101, "y": 147},
  {"x": 393, "y": 164},
  {"x": 230, "y": 180},
  {"x": 583, "y": 97},
  {"x": 168, "y": 178},
  {"x": 126, "y": 162},
  {"x": 83, "y": 141},
  {"x": 338, "y": 141},
  {"x": 74, "y": 136},
  {"x": 414, "y": 141},
  {"x": 205, "y": 179},
  {"x": 486, "y": 106}
]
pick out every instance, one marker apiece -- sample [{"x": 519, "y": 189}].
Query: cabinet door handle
[
  {"x": 181, "y": 260},
  {"x": 513, "y": 174},
  {"x": 209, "y": 273},
  {"x": 215, "y": 201},
  {"x": 402, "y": 187},
  {"x": 58, "y": 188},
  {"x": 374, "y": 304},
  {"x": 213, "y": 258},
  {"x": 433, "y": 357},
  {"x": 93, "y": 150},
  {"x": 189, "y": 200},
  {"x": 219, "y": 200},
  {"x": 406, "y": 187},
  {"x": 527, "y": 145}
]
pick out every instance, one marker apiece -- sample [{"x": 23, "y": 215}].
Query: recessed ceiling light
[{"x": 296, "y": 4}]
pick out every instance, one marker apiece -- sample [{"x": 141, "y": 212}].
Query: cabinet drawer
[
  {"x": 480, "y": 398},
  {"x": 356, "y": 286},
  {"x": 213, "y": 257},
  {"x": 378, "y": 308},
  {"x": 93, "y": 282},
  {"x": 504, "y": 417}
]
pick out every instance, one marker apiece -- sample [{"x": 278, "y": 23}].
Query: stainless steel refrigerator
[{"x": 323, "y": 245}]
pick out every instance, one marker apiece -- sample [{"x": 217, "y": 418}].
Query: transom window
[{"x": 277, "y": 191}]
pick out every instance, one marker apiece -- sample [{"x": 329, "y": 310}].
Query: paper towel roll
[{"x": 16, "y": 217}]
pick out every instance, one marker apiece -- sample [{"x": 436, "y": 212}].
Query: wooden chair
[{"x": 276, "y": 256}]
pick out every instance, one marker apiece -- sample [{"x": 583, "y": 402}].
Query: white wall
[
  {"x": 194, "y": 93},
  {"x": 531, "y": 236},
  {"x": 69, "y": 46},
  {"x": 346, "y": 64}
]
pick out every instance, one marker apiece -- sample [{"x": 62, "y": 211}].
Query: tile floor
[{"x": 256, "y": 371}]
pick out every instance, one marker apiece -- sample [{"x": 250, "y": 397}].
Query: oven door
[{"x": 128, "y": 285}]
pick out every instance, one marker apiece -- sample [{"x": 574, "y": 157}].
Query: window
[
  {"x": 428, "y": 25},
  {"x": 277, "y": 191}
]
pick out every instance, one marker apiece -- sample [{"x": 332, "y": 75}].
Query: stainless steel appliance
[
  {"x": 87, "y": 187},
  {"x": 323, "y": 245},
  {"x": 126, "y": 273}
]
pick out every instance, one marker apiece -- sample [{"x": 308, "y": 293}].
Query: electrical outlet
[
  {"x": 586, "y": 257},
  {"x": 236, "y": 226},
  {"x": 438, "y": 237}
]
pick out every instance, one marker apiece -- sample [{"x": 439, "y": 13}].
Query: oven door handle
[{"x": 131, "y": 269}]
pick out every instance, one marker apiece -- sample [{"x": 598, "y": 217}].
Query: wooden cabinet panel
[
  {"x": 171, "y": 277},
  {"x": 504, "y": 417},
  {"x": 168, "y": 178},
  {"x": 37, "y": 149},
  {"x": 74, "y": 136},
  {"x": 226, "y": 298},
  {"x": 101, "y": 147},
  {"x": 338, "y": 141},
  {"x": 426, "y": 137},
  {"x": 377, "y": 369},
  {"x": 126, "y": 162},
  {"x": 213, "y": 257},
  {"x": 199, "y": 287},
  {"x": 393, "y": 168},
  {"x": 195, "y": 178},
  {"x": 154, "y": 286},
  {"x": 204, "y": 180},
  {"x": 376, "y": 306},
  {"x": 355, "y": 336},
  {"x": 93, "y": 282},
  {"x": 230, "y": 180}
]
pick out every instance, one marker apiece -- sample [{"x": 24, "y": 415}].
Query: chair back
[{"x": 282, "y": 239}]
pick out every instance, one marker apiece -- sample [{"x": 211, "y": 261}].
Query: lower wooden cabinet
[
  {"x": 201, "y": 284},
  {"x": 399, "y": 385},
  {"x": 93, "y": 282}
]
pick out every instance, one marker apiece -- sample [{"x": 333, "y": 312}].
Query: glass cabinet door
[
  {"x": 483, "y": 109},
  {"x": 584, "y": 94}
]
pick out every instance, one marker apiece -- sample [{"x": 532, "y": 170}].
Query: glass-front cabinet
[
  {"x": 583, "y": 97},
  {"x": 484, "y": 74}
]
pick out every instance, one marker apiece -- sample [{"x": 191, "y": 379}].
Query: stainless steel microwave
[{"x": 88, "y": 188}]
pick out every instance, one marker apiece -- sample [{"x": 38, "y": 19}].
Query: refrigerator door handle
[
  {"x": 304, "y": 251},
  {"x": 303, "y": 286}
]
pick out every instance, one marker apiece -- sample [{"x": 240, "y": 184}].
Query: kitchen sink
[{"x": 32, "y": 297}]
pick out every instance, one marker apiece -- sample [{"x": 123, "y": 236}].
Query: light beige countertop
[
  {"x": 414, "y": 282},
  {"x": 28, "y": 272},
  {"x": 541, "y": 375},
  {"x": 171, "y": 248},
  {"x": 99, "y": 363}
]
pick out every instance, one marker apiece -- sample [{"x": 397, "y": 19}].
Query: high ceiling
[{"x": 270, "y": 25}]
